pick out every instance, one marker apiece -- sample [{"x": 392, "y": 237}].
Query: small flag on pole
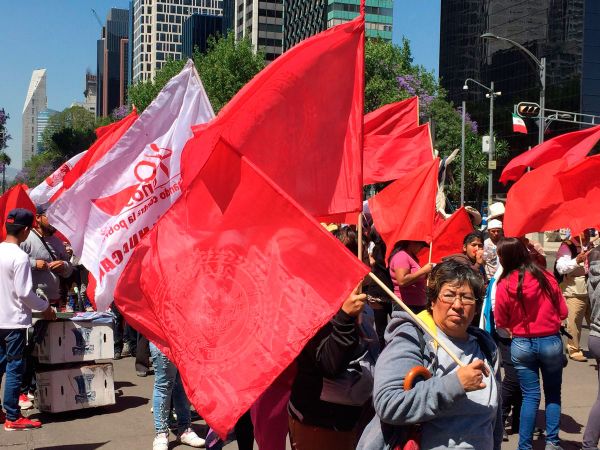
[{"x": 518, "y": 124}]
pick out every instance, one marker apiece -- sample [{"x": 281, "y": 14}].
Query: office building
[
  {"x": 196, "y": 30},
  {"x": 43, "y": 118},
  {"x": 90, "y": 93},
  {"x": 304, "y": 18},
  {"x": 228, "y": 15},
  {"x": 112, "y": 60},
  {"x": 262, "y": 23},
  {"x": 157, "y": 31},
  {"x": 565, "y": 32},
  {"x": 35, "y": 102}
]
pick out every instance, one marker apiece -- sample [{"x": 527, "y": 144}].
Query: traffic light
[{"x": 528, "y": 110}]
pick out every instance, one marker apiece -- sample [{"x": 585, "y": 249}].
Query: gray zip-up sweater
[
  {"x": 46, "y": 280},
  {"x": 450, "y": 417},
  {"x": 594, "y": 293}
]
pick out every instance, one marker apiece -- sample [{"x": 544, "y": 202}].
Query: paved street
[{"x": 128, "y": 424}]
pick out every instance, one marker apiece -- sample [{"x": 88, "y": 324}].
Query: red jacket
[{"x": 536, "y": 314}]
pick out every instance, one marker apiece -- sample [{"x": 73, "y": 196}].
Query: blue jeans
[
  {"x": 167, "y": 386},
  {"x": 12, "y": 348},
  {"x": 530, "y": 356}
]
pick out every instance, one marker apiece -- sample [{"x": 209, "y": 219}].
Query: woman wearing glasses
[
  {"x": 458, "y": 406},
  {"x": 530, "y": 306}
]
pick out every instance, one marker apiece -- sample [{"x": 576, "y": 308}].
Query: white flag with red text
[
  {"x": 44, "y": 191},
  {"x": 119, "y": 199}
]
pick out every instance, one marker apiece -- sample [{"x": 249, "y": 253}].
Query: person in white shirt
[
  {"x": 490, "y": 255},
  {"x": 17, "y": 301},
  {"x": 570, "y": 271}
]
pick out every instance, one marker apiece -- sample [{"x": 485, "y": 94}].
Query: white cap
[
  {"x": 495, "y": 210},
  {"x": 493, "y": 224}
]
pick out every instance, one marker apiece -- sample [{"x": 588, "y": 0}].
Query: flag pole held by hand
[{"x": 417, "y": 320}]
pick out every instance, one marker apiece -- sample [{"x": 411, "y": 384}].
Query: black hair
[
  {"x": 472, "y": 236},
  {"x": 14, "y": 229},
  {"x": 347, "y": 236},
  {"x": 513, "y": 256},
  {"x": 454, "y": 272}
]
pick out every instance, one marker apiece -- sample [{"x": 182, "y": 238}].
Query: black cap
[
  {"x": 41, "y": 209},
  {"x": 20, "y": 216}
]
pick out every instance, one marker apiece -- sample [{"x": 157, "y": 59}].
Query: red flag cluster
[
  {"x": 246, "y": 287},
  {"x": 394, "y": 143},
  {"x": 561, "y": 192}
]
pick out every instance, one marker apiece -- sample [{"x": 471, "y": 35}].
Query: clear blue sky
[{"x": 60, "y": 36}]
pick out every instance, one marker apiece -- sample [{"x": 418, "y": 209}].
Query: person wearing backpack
[
  {"x": 570, "y": 273},
  {"x": 530, "y": 306},
  {"x": 458, "y": 407}
]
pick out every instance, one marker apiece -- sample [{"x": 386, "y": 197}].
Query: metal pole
[
  {"x": 491, "y": 152},
  {"x": 462, "y": 154},
  {"x": 542, "y": 126}
]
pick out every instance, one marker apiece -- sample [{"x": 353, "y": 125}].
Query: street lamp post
[
  {"x": 462, "y": 153},
  {"x": 541, "y": 66},
  {"x": 491, "y": 94}
]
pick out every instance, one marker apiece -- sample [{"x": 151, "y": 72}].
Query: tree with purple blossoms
[{"x": 391, "y": 76}]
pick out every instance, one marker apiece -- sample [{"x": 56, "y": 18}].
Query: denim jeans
[
  {"x": 530, "y": 356},
  {"x": 12, "y": 347},
  {"x": 167, "y": 386}
]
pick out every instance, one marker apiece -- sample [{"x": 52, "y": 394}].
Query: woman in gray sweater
[
  {"x": 591, "y": 436},
  {"x": 457, "y": 407}
]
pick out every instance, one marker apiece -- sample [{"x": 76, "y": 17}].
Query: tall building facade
[
  {"x": 43, "y": 118},
  {"x": 262, "y": 22},
  {"x": 91, "y": 92},
  {"x": 35, "y": 102},
  {"x": 305, "y": 18},
  {"x": 157, "y": 31},
  {"x": 228, "y": 16},
  {"x": 196, "y": 30},
  {"x": 565, "y": 32},
  {"x": 111, "y": 63}
]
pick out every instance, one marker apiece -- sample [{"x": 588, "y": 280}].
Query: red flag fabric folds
[
  {"x": 300, "y": 121},
  {"x": 108, "y": 136},
  {"x": 448, "y": 236},
  {"x": 405, "y": 210},
  {"x": 388, "y": 157},
  {"x": 393, "y": 118},
  {"x": 250, "y": 281},
  {"x": 15, "y": 197},
  {"x": 555, "y": 196},
  {"x": 571, "y": 147}
]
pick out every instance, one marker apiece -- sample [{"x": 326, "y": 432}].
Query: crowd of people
[{"x": 459, "y": 366}]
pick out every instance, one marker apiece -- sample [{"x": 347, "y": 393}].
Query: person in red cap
[{"x": 16, "y": 301}]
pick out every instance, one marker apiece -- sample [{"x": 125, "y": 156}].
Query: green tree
[
  {"x": 391, "y": 75},
  {"x": 69, "y": 131},
  {"x": 224, "y": 69}
]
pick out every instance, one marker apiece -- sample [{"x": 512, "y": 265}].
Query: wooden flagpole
[{"x": 417, "y": 320}]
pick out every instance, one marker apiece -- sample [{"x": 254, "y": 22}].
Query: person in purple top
[{"x": 408, "y": 276}]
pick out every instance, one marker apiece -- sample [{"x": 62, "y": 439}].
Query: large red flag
[
  {"x": 250, "y": 281},
  {"x": 108, "y": 136},
  {"x": 300, "y": 120},
  {"x": 393, "y": 118},
  {"x": 405, "y": 210},
  {"x": 555, "y": 196},
  {"x": 388, "y": 157},
  {"x": 15, "y": 197},
  {"x": 448, "y": 236},
  {"x": 570, "y": 147}
]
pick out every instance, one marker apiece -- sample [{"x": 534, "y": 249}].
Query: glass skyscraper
[
  {"x": 304, "y": 18},
  {"x": 565, "y": 32}
]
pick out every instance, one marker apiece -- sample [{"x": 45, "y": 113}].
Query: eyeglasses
[{"x": 465, "y": 299}]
